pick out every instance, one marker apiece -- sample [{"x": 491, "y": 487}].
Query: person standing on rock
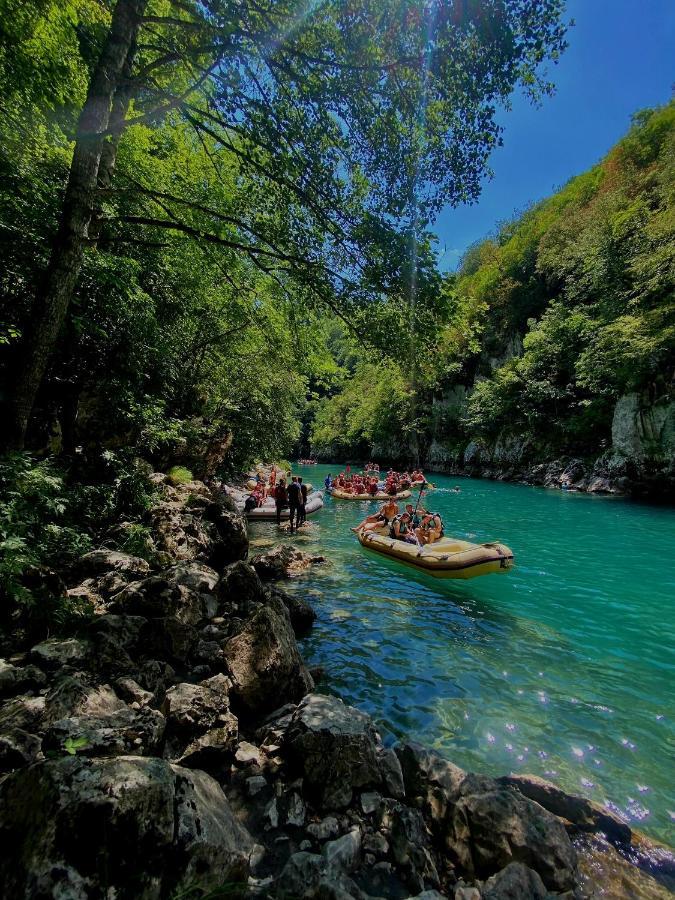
[
  {"x": 294, "y": 501},
  {"x": 280, "y": 498},
  {"x": 303, "y": 502}
]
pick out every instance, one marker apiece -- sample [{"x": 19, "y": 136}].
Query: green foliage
[
  {"x": 180, "y": 475},
  {"x": 50, "y": 514}
]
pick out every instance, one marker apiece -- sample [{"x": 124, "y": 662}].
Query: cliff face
[{"x": 639, "y": 460}]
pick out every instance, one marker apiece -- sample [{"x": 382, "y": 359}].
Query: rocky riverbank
[{"x": 177, "y": 746}]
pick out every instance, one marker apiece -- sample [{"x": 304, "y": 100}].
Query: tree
[{"x": 333, "y": 113}]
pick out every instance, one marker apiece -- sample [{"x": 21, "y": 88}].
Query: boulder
[
  {"x": 241, "y": 589},
  {"x": 584, "y": 814},
  {"x": 264, "y": 662},
  {"x": 301, "y": 612},
  {"x": 232, "y": 544},
  {"x": 56, "y": 653},
  {"x": 100, "y": 562},
  {"x": 17, "y": 679},
  {"x": 213, "y": 749},
  {"x": 193, "y": 709},
  {"x": 515, "y": 882},
  {"x": 117, "y": 734},
  {"x": 18, "y": 748},
  {"x": 131, "y": 691},
  {"x": 128, "y": 827},
  {"x": 185, "y": 591},
  {"x": 283, "y": 561},
  {"x": 335, "y": 748},
  {"x": 482, "y": 825},
  {"x": 309, "y": 875}
]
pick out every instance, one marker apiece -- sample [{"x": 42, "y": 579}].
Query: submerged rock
[
  {"x": 128, "y": 827},
  {"x": 283, "y": 561}
]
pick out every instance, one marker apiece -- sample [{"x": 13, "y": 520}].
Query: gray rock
[
  {"x": 264, "y": 662},
  {"x": 376, "y": 844},
  {"x": 468, "y": 892},
  {"x": 515, "y": 882},
  {"x": 18, "y": 748},
  {"x": 585, "y": 814},
  {"x": 192, "y": 709},
  {"x": 165, "y": 828},
  {"x": 392, "y": 774},
  {"x": 215, "y": 748},
  {"x": 301, "y": 612},
  {"x": 484, "y": 826},
  {"x": 231, "y": 530},
  {"x": 241, "y": 589},
  {"x": 325, "y": 829},
  {"x": 335, "y": 746},
  {"x": 308, "y": 875},
  {"x": 345, "y": 852},
  {"x": 248, "y": 755},
  {"x": 101, "y": 562},
  {"x": 185, "y": 591},
  {"x": 16, "y": 679},
  {"x": 294, "y": 811},
  {"x": 283, "y": 561},
  {"x": 120, "y": 733},
  {"x": 122, "y": 629},
  {"x": 131, "y": 691},
  {"x": 255, "y": 784},
  {"x": 370, "y": 801},
  {"x": 56, "y": 653}
]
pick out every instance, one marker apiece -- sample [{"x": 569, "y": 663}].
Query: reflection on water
[{"x": 564, "y": 667}]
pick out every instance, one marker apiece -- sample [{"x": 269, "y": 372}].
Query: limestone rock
[
  {"x": 16, "y": 679},
  {"x": 18, "y": 748},
  {"x": 165, "y": 828},
  {"x": 214, "y": 748},
  {"x": 515, "y": 882},
  {"x": 241, "y": 589},
  {"x": 301, "y": 612},
  {"x": 184, "y": 591},
  {"x": 99, "y": 562},
  {"x": 195, "y": 708},
  {"x": 122, "y": 732},
  {"x": 325, "y": 829},
  {"x": 264, "y": 662},
  {"x": 335, "y": 746},
  {"x": 56, "y": 653},
  {"x": 345, "y": 852},
  {"x": 232, "y": 533},
  {"x": 283, "y": 561},
  {"x": 585, "y": 814}
]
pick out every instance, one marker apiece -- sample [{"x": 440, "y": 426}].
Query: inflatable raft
[
  {"x": 268, "y": 511},
  {"x": 341, "y": 495},
  {"x": 447, "y": 558}
]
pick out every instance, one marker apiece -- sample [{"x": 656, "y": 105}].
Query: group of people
[
  {"x": 372, "y": 483},
  {"x": 415, "y": 525},
  {"x": 293, "y": 497}
]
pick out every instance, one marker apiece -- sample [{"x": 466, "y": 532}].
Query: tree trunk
[{"x": 67, "y": 252}]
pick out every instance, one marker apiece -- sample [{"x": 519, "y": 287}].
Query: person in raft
[
  {"x": 280, "y": 498},
  {"x": 294, "y": 502},
  {"x": 328, "y": 482},
  {"x": 430, "y": 530},
  {"x": 380, "y": 519},
  {"x": 415, "y": 515},
  {"x": 400, "y": 529}
]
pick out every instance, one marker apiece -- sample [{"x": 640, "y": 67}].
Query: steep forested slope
[{"x": 556, "y": 338}]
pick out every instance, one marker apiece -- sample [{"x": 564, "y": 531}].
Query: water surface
[{"x": 563, "y": 668}]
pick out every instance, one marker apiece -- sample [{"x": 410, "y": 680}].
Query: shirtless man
[{"x": 380, "y": 519}]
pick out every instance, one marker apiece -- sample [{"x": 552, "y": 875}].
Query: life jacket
[{"x": 402, "y": 529}]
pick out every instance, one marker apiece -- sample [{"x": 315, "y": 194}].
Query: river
[{"x": 563, "y": 668}]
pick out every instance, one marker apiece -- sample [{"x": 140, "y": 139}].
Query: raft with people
[
  {"x": 339, "y": 494},
  {"x": 267, "y": 512},
  {"x": 446, "y": 558}
]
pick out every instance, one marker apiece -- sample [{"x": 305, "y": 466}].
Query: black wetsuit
[{"x": 294, "y": 503}]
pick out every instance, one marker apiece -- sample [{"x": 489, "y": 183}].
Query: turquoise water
[{"x": 563, "y": 668}]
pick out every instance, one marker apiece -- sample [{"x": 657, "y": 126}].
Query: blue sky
[{"x": 621, "y": 58}]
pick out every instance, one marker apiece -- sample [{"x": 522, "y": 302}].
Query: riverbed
[{"x": 564, "y": 667}]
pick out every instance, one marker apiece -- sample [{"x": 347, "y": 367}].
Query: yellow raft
[
  {"x": 342, "y": 495},
  {"x": 447, "y": 558}
]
